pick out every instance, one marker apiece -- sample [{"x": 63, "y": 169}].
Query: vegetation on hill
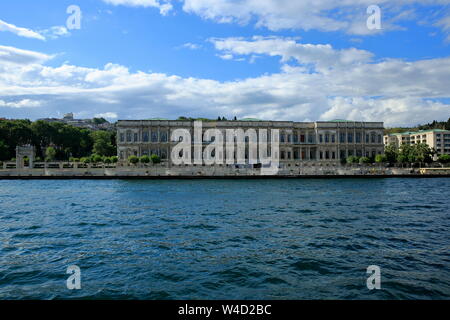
[{"x": 432, "y": 125}]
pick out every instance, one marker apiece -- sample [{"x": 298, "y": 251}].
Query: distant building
[
  {"x": 299, "y": 141},
  {"x": 437, "y": 139},
  {"x": 81, "y": 123}
]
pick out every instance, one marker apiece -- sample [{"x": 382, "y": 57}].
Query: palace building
[{"x": 325, "y": 141}]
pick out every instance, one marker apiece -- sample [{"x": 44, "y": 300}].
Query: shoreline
[
  {"x": 239, "y": 177},
  {"x": 216, "y": 172}
]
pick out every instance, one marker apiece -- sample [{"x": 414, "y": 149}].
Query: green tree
[
  {"x": 133, "y": 159},
  {"x": 364, "y": 160},
  {"x": 423, "y": 153},
  {"x": 114, "y": 159},
  {"x": 99, "y": 120},
  {"x": 380, "y": 158},
  {"x": 155, "y": 159},
  {"x": 444, "y": 158},
  {"x": 85, "y": 160},
  {"x": 96, "y": 158},
  {"x": 102, "y": 143},
  {"x": 145, "y": 159},
  {"x": 4, "y": 151},
  {"x": 391, "y": 152},
  {"x": 352, "y": 159},
  {"x": 50, "y": 154}
]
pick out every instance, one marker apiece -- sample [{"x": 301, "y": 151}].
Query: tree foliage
[
  {"x": 68, "y": 141},
  {"x": 155, "y": 159}
]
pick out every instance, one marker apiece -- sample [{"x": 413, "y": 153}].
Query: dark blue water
[{"x": 225, "y": 239}]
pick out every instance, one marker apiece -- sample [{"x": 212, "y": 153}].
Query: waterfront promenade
[{"x": 67, "y": 170}]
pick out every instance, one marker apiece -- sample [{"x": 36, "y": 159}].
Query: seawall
[{"x": 219, "y": 172}]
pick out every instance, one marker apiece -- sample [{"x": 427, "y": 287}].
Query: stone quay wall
[{"x": 67, "y": 171}]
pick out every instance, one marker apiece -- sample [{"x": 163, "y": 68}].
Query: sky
[{"x": 297, "y": 60}]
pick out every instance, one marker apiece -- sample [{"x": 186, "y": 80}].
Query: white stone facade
[{"x": 299, "y": 141}]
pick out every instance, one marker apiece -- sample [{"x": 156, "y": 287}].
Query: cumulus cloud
[
  {"x": 163, "y": 6},
  {"x": 314, "y": 82},
  {"x": 22, "y": 32}
]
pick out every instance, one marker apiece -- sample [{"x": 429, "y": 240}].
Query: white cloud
[
  {"x": 324, "y": 56},
  {"x": 10, "y": 55},
  {"x": 325, "y": 15},
  {"x": 55, "y": 32},
  {"x": 191, "y": 46},
  {"x": 163, "y": 6},
  {"x": 334, "y": 84},
  {"x": 25, "y": 103},
  {"x": 22, "y": 32},
  {"x": 106, "y": 115}
]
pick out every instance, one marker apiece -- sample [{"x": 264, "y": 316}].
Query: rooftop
[{"x": 418, "y": 132}]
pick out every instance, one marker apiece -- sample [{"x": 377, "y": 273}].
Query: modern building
[
  {"x": 299, "y": 141},
  {"x": 438, "y": 139}
]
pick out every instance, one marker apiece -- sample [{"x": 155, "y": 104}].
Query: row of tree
[
  {"x": 64, "y": 140},
  {"x": 407, "y": 153},
  {"x": 145, "y": 159}
]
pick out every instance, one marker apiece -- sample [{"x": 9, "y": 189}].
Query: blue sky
[{"x": 281, "y": 60}]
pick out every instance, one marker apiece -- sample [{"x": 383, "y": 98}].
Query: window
[
  {"x": 135, "y": 137},
  {"x": 302, "y": 138},
  {"x": 320, "y": 138},
  {"x": 163, "y": 137},
  {"x": 145, "y": 136},
  {"x": 295, "y": 138},
  {"x": 367, "y": 138},
  {"x": 122, "y": 137},
  {"x": 372, "y": 138},
  {"x": 327, "y": 138},
  {"x": 342, "y": 138},
  {"x": 128, "y": 136},
  {"x": 358, "y": 137},
  {"x": 154, "y": 137},
  {"x": 342, "y": 154},
  {"x": 282, "y": 138},
  {"x": 350, "y": 137},
  {"x": 333, "y": 140},
  {"x": 310, "y": 138},
  {"x": 379, "y": 138}
]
